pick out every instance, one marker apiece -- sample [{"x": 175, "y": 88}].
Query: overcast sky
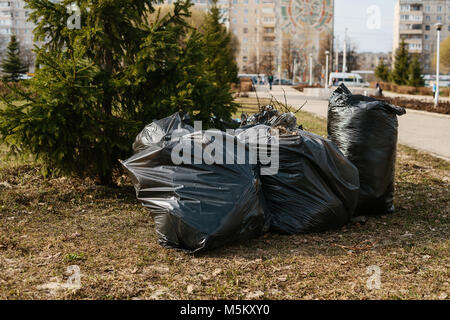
[{"x": 363, "y": 29}]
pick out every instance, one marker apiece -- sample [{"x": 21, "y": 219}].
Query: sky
[{"x": 369, "y": 32}]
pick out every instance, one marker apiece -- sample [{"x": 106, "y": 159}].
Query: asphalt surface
[{"x": 420, "y": 130}]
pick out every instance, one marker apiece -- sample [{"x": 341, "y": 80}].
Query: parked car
[
  {"x": 261, "y": 78},
  {"x": 25, "y": 76},
  {"x": 284, "y": 82}
]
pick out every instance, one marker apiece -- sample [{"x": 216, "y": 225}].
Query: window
[
  {"x": 427, "y": 18},
  {"x": 246, "y": 1},
  {"x": 246, "y": 11},
  {"x": 404, "y": 7},
  {"x": 267, "y": 10},
  {"x": 427, "y": 37},
  {"x": 245, "y": 30},
  {"x": 245, "y": 20},
  {"x": 427, "y": 9},
  {"x": 234, "y": 20},
  {"x": 439, "y": 9},
  {"x": 439, "y": 18},
  {"x": 427, "y": 28},
  {"x": 244, "y": 58}
]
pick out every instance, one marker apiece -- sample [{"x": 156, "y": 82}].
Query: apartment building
[
  {"x": 270, "y": 31},
  {"x": 13, "y": 21},
  {"x": 414, "y": 22}
]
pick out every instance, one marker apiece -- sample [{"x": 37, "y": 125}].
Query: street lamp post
[
  {"x": 310, "y": 69},
  {"x": 344, "y": 64},
  {"x": 327, "y": 54},
  {"x": 438, "y": 28}
]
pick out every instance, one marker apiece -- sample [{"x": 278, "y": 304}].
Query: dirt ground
[{"x": 50, "y": 224}]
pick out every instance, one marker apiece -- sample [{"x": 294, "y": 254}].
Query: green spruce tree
[
  {"x": 98, "y": 85},
  {"x": 220, "y": 59},
  {"x": 400, "y": 72},
  {"x": 12, "y": 66},
  {"x": 415, "y": 73},
  {"x": 382, "y": 71}
]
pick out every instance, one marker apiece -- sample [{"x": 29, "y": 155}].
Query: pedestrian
[
  {"x": 270, "y": 81},
  {"x": 434, "y": 89},
  {"x": 379, "y": 90}
]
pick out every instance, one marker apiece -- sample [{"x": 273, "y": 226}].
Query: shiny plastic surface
[
  {"x": 365, "y": 130},
  {"x": 316, "y": 187}
]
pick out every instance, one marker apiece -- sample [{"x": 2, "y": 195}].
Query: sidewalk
[{"x": 420, "y": 130}]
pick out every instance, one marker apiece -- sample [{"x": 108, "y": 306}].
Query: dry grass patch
[{"x": 48, "y": 224}]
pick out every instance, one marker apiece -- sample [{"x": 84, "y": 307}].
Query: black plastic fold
[{"x": 366, "y": 130}]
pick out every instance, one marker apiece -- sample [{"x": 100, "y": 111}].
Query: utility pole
[
  {"x": 438, "y": 29},
  {"x": 327, "y": 53},
  {"x": 294, "y": 69},
  {"x": 310, "y": 69},
  {"x": 344, "y": 66},
  {"x": 280, "y": 41},
  {"x": 257, "y": 44},
  {"x": 337, "y": 53}
]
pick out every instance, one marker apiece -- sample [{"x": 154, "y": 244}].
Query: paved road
[{"x": 424, "y": 131}]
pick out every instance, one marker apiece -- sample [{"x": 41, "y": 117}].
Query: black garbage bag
[
  {"x": 315, "y": 188},
  {"x": 160, "y": 131},
  {"x": 366, "y": 129},
  {"x": 200, "y": 206}
]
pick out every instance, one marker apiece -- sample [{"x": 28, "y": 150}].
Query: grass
[{"x": 48, "y": 224}]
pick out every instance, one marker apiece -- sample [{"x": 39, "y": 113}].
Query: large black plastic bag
[
  {"x": 199, "y": 206},
  {"x": 316, "y": 187},
  {"x": 160, "y": 131},
  {"x": 366, "y": 130}
]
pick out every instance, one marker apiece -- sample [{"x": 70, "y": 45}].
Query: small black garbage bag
[
  {"x": 315, "y": 188},
  {"x": 160, "y": 131},
  {"x": 198, "y": 205},
  {"x": 366, "y": 129}
]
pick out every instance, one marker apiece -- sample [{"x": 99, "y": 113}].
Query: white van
[{"x": 349, "y": 79}]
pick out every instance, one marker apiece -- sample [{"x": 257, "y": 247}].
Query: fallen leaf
[
  {"x": 255, "y": 295},
  {"x": 217, "y": 272}
]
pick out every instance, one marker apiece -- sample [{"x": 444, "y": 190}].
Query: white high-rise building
[
  {"x": 269, "y": 29},
  {"x": 414, "y": 22}
]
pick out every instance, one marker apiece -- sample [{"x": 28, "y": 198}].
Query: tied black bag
[
  {"x": 199, "y": 205},
  {"x": 366, "y": 131},
  {"x": 315, "y": 188}
]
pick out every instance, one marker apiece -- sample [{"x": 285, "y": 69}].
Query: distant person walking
[
  {"x": 434, "y": 89},
  {"x": 270, "y": 81},
  {"x": 379, "y": 90}
]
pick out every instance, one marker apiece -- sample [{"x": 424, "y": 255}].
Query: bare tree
[{"x": 267, "y": 64}]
